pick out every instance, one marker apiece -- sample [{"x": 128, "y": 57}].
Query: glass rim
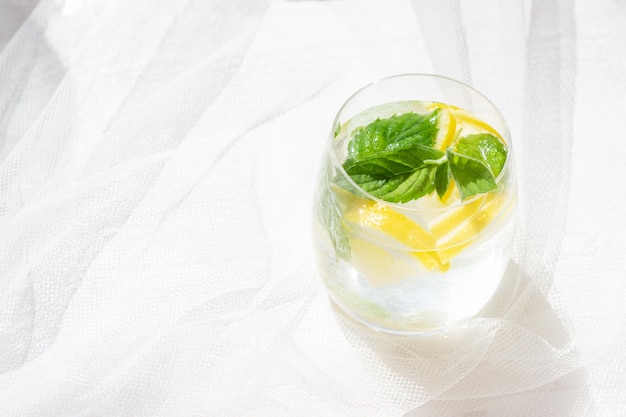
[{"x": 402, "y": 206}]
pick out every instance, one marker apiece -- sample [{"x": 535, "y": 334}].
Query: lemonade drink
[{"x": 414, "y": 215}]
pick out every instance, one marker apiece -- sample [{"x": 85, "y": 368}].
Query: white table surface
[{"x": 157, "y": 166}]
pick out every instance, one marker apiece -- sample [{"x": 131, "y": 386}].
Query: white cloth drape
[{"x": 157, "y": 165}]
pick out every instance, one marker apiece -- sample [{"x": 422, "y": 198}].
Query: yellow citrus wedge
[
  {"x": 448, "y": 237},
  {"x": 382, "y": 218},
  {"x": 447, "y": 129},
  {"x": 461, "y": 228},
  {"x": 453, "y": 218},
  {"x": 464, "y": 118},
  {"x": 381, "y": 222}
]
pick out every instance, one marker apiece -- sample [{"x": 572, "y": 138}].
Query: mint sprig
[
  {"x": 486, "y": 148},
  {"x": 471, "y": 175},
  {"x": 395, "y": 132},
  {"x": 394, "y": 159}
]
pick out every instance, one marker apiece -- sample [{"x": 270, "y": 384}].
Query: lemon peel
[{"x": 434, "y": 248}]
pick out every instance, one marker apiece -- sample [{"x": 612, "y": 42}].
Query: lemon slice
[
  {"x": 464, "y": 119},
  {"x": 447, "y": 129},
  {"x": 374, "y": 216},
  {"x": 396, "y": 236},
  {"x": 374, "y": 221},
  {"x": 460, "y": 228},
  {"x": 449, "y": 221}
]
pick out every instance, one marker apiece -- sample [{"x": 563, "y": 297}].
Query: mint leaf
[
  {"x": 486, "y": 148},
  {"x": 392, "y": 133},
  {"x": 399, "y": 175},
  {"x": 394, "y": 159},
  {"x": 400, "y": 188},
  {"x": 327, "y": 210},
  {"x": 393, "y": 162},
  {"x": 442, "y": 178},
  {"x": 471, "y": 175}
]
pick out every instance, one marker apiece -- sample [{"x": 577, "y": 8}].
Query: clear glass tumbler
[{"x": 414, "y": 209}]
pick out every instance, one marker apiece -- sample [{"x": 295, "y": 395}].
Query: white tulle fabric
[{"x": 157, "y": 166}]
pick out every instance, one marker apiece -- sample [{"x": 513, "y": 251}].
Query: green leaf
[
  {"x": 400, "y": 188},
  {"x": 393, "y": 162},
  {"x": 392, "y": 133},
  {"x": 442, "y": 178},
  {"x": 486, "y": 148},
  {"x": 327, "y": 210},
  {"x": 394, "y": 159},
  {"x": 471, "y": 175}
]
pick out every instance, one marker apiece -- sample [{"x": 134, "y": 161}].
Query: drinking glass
[{"x": 414, "y": 267}]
